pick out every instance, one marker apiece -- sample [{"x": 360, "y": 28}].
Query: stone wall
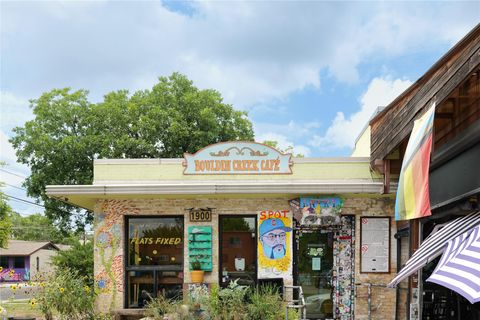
[{"x": 109, "y": 243}]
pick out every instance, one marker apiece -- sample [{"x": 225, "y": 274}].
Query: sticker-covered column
[{"x": 344, "y": 269}]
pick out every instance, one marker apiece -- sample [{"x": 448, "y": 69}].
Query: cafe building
[{"x": 244, "y": 212}]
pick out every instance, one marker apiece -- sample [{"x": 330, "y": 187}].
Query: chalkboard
[{"x": 375, "y": 244}]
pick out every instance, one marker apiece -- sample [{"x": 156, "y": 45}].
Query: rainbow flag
[{"x": 413, "y": 198}]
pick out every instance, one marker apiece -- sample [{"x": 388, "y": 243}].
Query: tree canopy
[
  {"x": 5, "y": 223},
  {"x": 69, "y": 132},
  {"x": 289, "y": 149},
  {"x": 37, "y": 227}
]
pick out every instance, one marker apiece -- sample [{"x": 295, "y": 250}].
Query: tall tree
[{"x": 68, "y": 132}]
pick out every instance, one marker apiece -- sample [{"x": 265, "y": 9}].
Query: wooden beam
[
  {"x": 386, "y": 176},
  {"x": 444, "y": 115}
]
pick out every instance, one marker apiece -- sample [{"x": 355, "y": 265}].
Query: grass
[{"x": 20, "y": 308}]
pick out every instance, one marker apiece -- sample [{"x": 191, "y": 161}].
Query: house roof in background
[
  {"x": 63, "y": 247},
  {"x": 25, "y": 248}
]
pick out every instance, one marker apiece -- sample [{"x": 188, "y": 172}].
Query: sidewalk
[{"x": 20, "y": 283}]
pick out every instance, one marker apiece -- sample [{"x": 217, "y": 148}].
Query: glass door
[
  {"x": 238, "y": 250},
  {"x": 314, "y": 272}
]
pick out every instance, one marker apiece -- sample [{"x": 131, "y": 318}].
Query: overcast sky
[{"x": 310, "y": 74}]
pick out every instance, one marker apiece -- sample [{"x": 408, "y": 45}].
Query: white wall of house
[{"x": 44, "y": 262}]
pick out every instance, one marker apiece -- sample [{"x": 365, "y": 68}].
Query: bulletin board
[{"x": 374, "y": 244}]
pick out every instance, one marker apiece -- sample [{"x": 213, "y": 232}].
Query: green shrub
[
  {"x": 293, "y": 314},
  {"x": 79, "y": 258}
]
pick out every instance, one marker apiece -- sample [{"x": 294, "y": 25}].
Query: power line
[
  {"x": 11, "y": 185},
  {"x": 23, "y": 200},
  {"x": 12, "y": 173},
  {"x": 40, "y": 205}
]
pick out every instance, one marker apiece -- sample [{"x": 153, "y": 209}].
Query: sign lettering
[
  {"x": 237, "y": 158},
  {"x": 164, "y": 241}
]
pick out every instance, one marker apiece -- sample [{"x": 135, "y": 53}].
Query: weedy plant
[
  {"x": 161, "y": 308},
  {"x": 265, "y": 303},
  {"x": 67, "y": 295},
  {"x": 232, "y": 302}
]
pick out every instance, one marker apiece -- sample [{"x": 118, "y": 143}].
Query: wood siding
[{"x": 395, "y": 123}]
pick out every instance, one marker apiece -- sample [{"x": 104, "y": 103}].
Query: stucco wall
[
  {"x": 138, "y": 171},
  {"x": 45, "y": 260},
  {"x": 109, "y": 242}
]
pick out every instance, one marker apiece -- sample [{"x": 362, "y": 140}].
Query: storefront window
[
  {"x": 155, "y": 259},
  {"x": 238, "y": 253},
  {"x": 155, "y": 241}
]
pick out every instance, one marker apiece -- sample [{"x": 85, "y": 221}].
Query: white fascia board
[{"x": 223, "y": 187}]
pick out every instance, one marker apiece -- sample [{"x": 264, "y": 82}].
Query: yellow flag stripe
[{"x": 409, "y": 193}]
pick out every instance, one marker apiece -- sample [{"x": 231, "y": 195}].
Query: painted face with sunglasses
[{"x": 273, "y": 236}]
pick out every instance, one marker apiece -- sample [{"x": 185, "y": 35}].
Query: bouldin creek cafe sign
[{"x": 237, "y": 158}]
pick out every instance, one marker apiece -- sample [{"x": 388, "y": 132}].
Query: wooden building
[{"x": 453, "y": 83}]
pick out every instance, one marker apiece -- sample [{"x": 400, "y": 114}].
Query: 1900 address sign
[{"x": 200, "y": 215}]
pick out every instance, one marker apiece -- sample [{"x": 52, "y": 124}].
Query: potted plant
[{"x": 196, "y": 272}]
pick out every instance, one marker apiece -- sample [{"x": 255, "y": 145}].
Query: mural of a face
[{"x": 273, "y": 236}]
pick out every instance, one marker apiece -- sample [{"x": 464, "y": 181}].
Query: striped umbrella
[
  {"x": 436, "y": 244},
  {"x": 459, "y": 267}
]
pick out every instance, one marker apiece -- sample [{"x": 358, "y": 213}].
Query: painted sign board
[
  {"x": 237, "y": 158},
  {"x": 375, "y": 244},
  {"x": 275, "y": 244},
  {"x": 317, "y": 211}
]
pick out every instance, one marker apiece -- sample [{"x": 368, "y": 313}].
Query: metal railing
[{"x": 296, "y": 304}]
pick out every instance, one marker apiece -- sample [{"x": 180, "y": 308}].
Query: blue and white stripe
[
  {"x": 459, "y": 268},
  {"x": 436, "y": 244}
]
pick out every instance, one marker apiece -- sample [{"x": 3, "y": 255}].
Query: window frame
[{"x": 155, "y": 269}]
